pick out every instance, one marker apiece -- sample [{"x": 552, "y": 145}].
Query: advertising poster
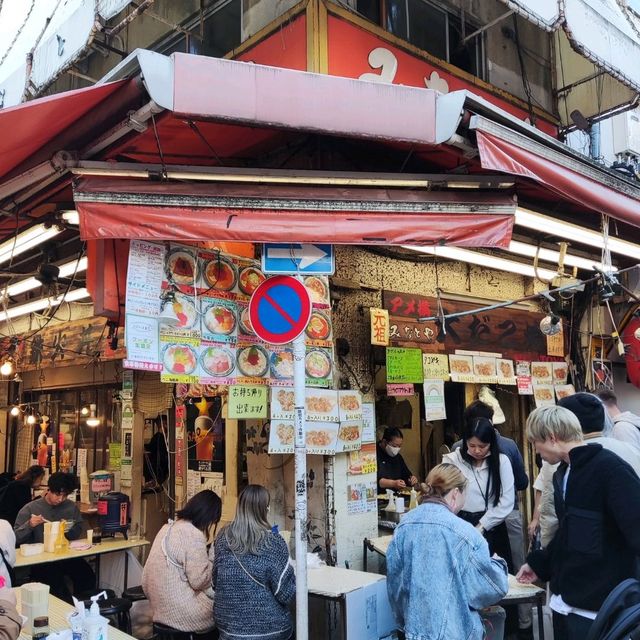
[
  {"x": 205, "y": 435},
  {"x": 434, "y": 407}
]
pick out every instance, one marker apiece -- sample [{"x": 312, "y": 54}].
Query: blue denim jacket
[{"x": 439, "y": 574}]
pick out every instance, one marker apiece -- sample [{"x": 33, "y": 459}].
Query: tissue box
[{"x": 31, "y": 549}]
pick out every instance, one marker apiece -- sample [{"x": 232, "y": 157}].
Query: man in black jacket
[{"x": 596, "y": 497}]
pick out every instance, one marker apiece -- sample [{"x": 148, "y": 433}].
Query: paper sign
[
  {"x": 523, "y": 368},
  {"x": 434, "y": 407},
  {"x": 564, "y": 390},
  {"x": 504, "y": 369},
  {"x": 363, "y": 461},
  {"x": 282, "y": 403},
  {"x": 368, "y": 422},
  {"x": 349, "y": 436},
  {"x": 321, "y": 438},
  {"x": 125, "y": 469},
  {"x": 542, "y": 372},
  {"x": 362, "y": 497},
  {"x": 484, "y": 368},
  {"x": 525, "y": 385},
  {"x": 350, "y": 405},
  {"x": 544, "y": 395},
  {"x": 144, "y": 278},
  {"x": 461, "y": 368},
  {"x": 247, "y": 402},
  {"x": 404, "y": 365},
  {"x": 379, "y": 327},
  {"x": 281, "y": 436},
  {"x": 400, "y": 389},
  {"x": 560, "y": 372},
  {"x": 555, "y": 344},
  {"x": 321, "y": 405},
  {"x": 435, "y": 366},
  {"x": 142, "y": 342},
  {"x": 115, "y": 454}
]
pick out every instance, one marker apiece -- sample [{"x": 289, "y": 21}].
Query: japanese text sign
[
  {"x": 435, "y": 366},
  {"x": 247, "y": 402},
  {"x": 404, "y": 365},
  {"x": 379, "y": 327}
]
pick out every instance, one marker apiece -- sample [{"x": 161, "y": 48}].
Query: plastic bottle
[
  {"x": 76, "y": 619},
  {"x": 95, "y": 625},
  {"x": 61, "y": 541},
  {"x": 413, "y": 499}
]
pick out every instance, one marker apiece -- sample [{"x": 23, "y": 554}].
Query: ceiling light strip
[
  {"x": 43, "y": 303},
  {"x": 26, "y": 240},
  {"x": 484, "y": 260},
  {"x": 573, "y": 233},
  {"x": 67, "y": 270}
]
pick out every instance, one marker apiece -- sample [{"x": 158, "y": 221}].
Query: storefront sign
[
  {"x": 555, "y": 344},
  {"x": 404, "y": 365},
  {"x": 513, "y": 332},
  {"x": 434, "y": 407},
  {"x": 379, "y": 327},
  {"x": 78, "y": 342},
  {"x": 396, "y": 389},
  {"x": 247, "y": 402}
]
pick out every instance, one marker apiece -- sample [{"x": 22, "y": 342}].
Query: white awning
[{"x": 596, "y": 47}]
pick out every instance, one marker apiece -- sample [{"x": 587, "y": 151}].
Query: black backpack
[{"x": 619, "y": 616}]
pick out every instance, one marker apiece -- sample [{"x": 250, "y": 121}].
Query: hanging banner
[{"x": 379, "y": 327}]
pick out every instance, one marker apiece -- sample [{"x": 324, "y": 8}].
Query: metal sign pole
[{"x": 302, "y": 598}]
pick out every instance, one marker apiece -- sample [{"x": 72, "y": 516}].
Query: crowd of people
[{"x": 449, "y": 557}]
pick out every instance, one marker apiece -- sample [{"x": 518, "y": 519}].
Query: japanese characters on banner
[
  {"x": 334, "y": 421},
  {"x": 379, "y": 327},
  {"x": 187, "y": 317}
]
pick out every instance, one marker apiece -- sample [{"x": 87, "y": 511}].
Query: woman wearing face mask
[
  {"x": 490, "y": 493},
  {"x": 393, "y": 472},
  {"x": 439, "y": 571}
]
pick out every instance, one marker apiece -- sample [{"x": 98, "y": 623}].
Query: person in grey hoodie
[{"x": 626, "y": 425}]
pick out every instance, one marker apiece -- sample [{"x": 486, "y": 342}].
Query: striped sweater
[{"x": 253, "y": 591}]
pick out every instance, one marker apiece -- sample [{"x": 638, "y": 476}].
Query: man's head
[
  {"x": 60, "y": 486},
  {"x": 588, "y": 409},
  {"x": 553, "y": 431},
  {"x": 392, "y": 440},
  {"x": 610, "y": 402}
]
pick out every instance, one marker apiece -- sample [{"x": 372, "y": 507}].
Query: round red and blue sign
[{"x": 280, "y": 309}]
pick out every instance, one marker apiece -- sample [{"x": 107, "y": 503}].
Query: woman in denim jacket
[{"x": 439, "y": 572}]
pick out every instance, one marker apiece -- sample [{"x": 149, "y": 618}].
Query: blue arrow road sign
[{"x": 317, "y": 259}]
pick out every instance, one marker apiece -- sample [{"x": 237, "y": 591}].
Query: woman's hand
[
  {"x": 533, "y": 525},
  {"x": 526, "y": 575}
]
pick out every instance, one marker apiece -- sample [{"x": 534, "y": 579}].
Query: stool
[
  {"x": 117, "y": 611},
  {"x": 165, "y": 632},
  {"x": 135, "y": 594}
]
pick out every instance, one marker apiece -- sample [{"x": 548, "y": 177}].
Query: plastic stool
[
  {"x": 165, "y": 632},
  {"x": 135, "y": 594}
]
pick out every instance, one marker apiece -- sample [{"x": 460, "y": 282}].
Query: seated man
[{"x": 29, "y": 527}]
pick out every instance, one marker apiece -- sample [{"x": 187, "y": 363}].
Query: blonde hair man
[{"x": 595, "y": 547}]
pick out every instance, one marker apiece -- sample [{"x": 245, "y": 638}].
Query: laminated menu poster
[
  {"x": 484, "y": 368},
  {"x": 205, "y": 435},
  {"x": 435, "y": 366},
  {"x": 560, "y": 373},
  {"x": 544, "y": 395},
  {"x": 368, "y": 422},
  {"x": 179, "y": 356},
  {"x": 318, "y": 366},
  {"x": 281, "y": 436},
  {"x": 505, "y": 371},
  {"x": 564, "y": 390},
  {"x": 364, "y": 461},
  {"x": 143, "y": 343},
  {"x": 542, "y": 373},
  {"x": 144, "y": 278},
  {"x": 321, "y": 437},
  {"x": 434, "y": 406},
  {"x": 350, "y": 405},
  {"x": 361, "y": 497},
  {"x": 461, "y": 368},
  {"x": 321, "y": 405},
  {"x": 349, "y": 436}
]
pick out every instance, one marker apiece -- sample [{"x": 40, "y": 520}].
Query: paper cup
[{"x": 90, "y": 536}]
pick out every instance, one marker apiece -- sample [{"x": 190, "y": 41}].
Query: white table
[
  {"x": 108, "y": 545},
  {"x": 58, "y": 611},
  {"x": 518, "y": 593}
]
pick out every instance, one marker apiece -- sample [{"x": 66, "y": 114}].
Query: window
[{"x": 432, "y": 29}]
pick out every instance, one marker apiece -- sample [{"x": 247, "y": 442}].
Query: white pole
[{"x": 302, "y": 597}]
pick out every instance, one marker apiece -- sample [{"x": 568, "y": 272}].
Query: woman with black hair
[
  {"x": 177, "y": 575},
  {"x": 490, "y": 489},
  {"x": 19, "y": 492}
]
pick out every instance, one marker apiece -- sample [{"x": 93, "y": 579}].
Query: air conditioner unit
[{"x": 626, "y": 133}]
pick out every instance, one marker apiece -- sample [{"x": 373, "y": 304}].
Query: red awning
[
  {"x": 26, "y": 128},
  {"x": 575, "y": 180},
  {"x": 113, "y": 208}
]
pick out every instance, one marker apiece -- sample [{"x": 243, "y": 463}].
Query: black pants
[
  {"x": 571, "y": 627},
  {"x": 55, "y": 573}
]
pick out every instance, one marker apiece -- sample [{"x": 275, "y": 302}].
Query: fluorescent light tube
[
  {"x": 574, "y": 233},
  {"x": 26, "y": 240},
  {"x": 66, "y": 271},
  {"x": 484, "y": 260},
  {"x": 548, "y": 255},
  {"x": 43, "y": 303}
]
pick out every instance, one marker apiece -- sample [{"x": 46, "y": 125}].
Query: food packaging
[
  {"x": 50, "y": 536},
  {"x": 34, "y": 603},
  {"x": 31, "y": 549}
]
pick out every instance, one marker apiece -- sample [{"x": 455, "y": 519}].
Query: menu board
[
  {"x": 198, "y": 329},
  {"x": 484, "y": 368},
  {"x": 363, "y": 461},
  {"x": 542, "y": 372},
  {"x": 321, "y": 405},
  {"x": 505, "y": 372},
  {"x": 435, "y": 366},
  {"x": 543, "y": 395},
  {"x": 349, "y": 436},
  {"x": 404, "y": 365},
  {"x": 461, "y": 368},
  {"x": 350, "y": 405}
]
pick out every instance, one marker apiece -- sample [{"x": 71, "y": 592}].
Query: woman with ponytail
[
  {"x": 490, "y": 493},
  {"x": 439, "y": 571}
]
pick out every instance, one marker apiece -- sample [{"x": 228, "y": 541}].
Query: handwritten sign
[
  {"x": 555, "y": 344},
  {"x": 404, "y": 365},
  {"x": 397, "y": 389},
  {"x": 435, "y": 366},
  {"x": 247, "y": 402},
  {"x": 379, "y": 327}
]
